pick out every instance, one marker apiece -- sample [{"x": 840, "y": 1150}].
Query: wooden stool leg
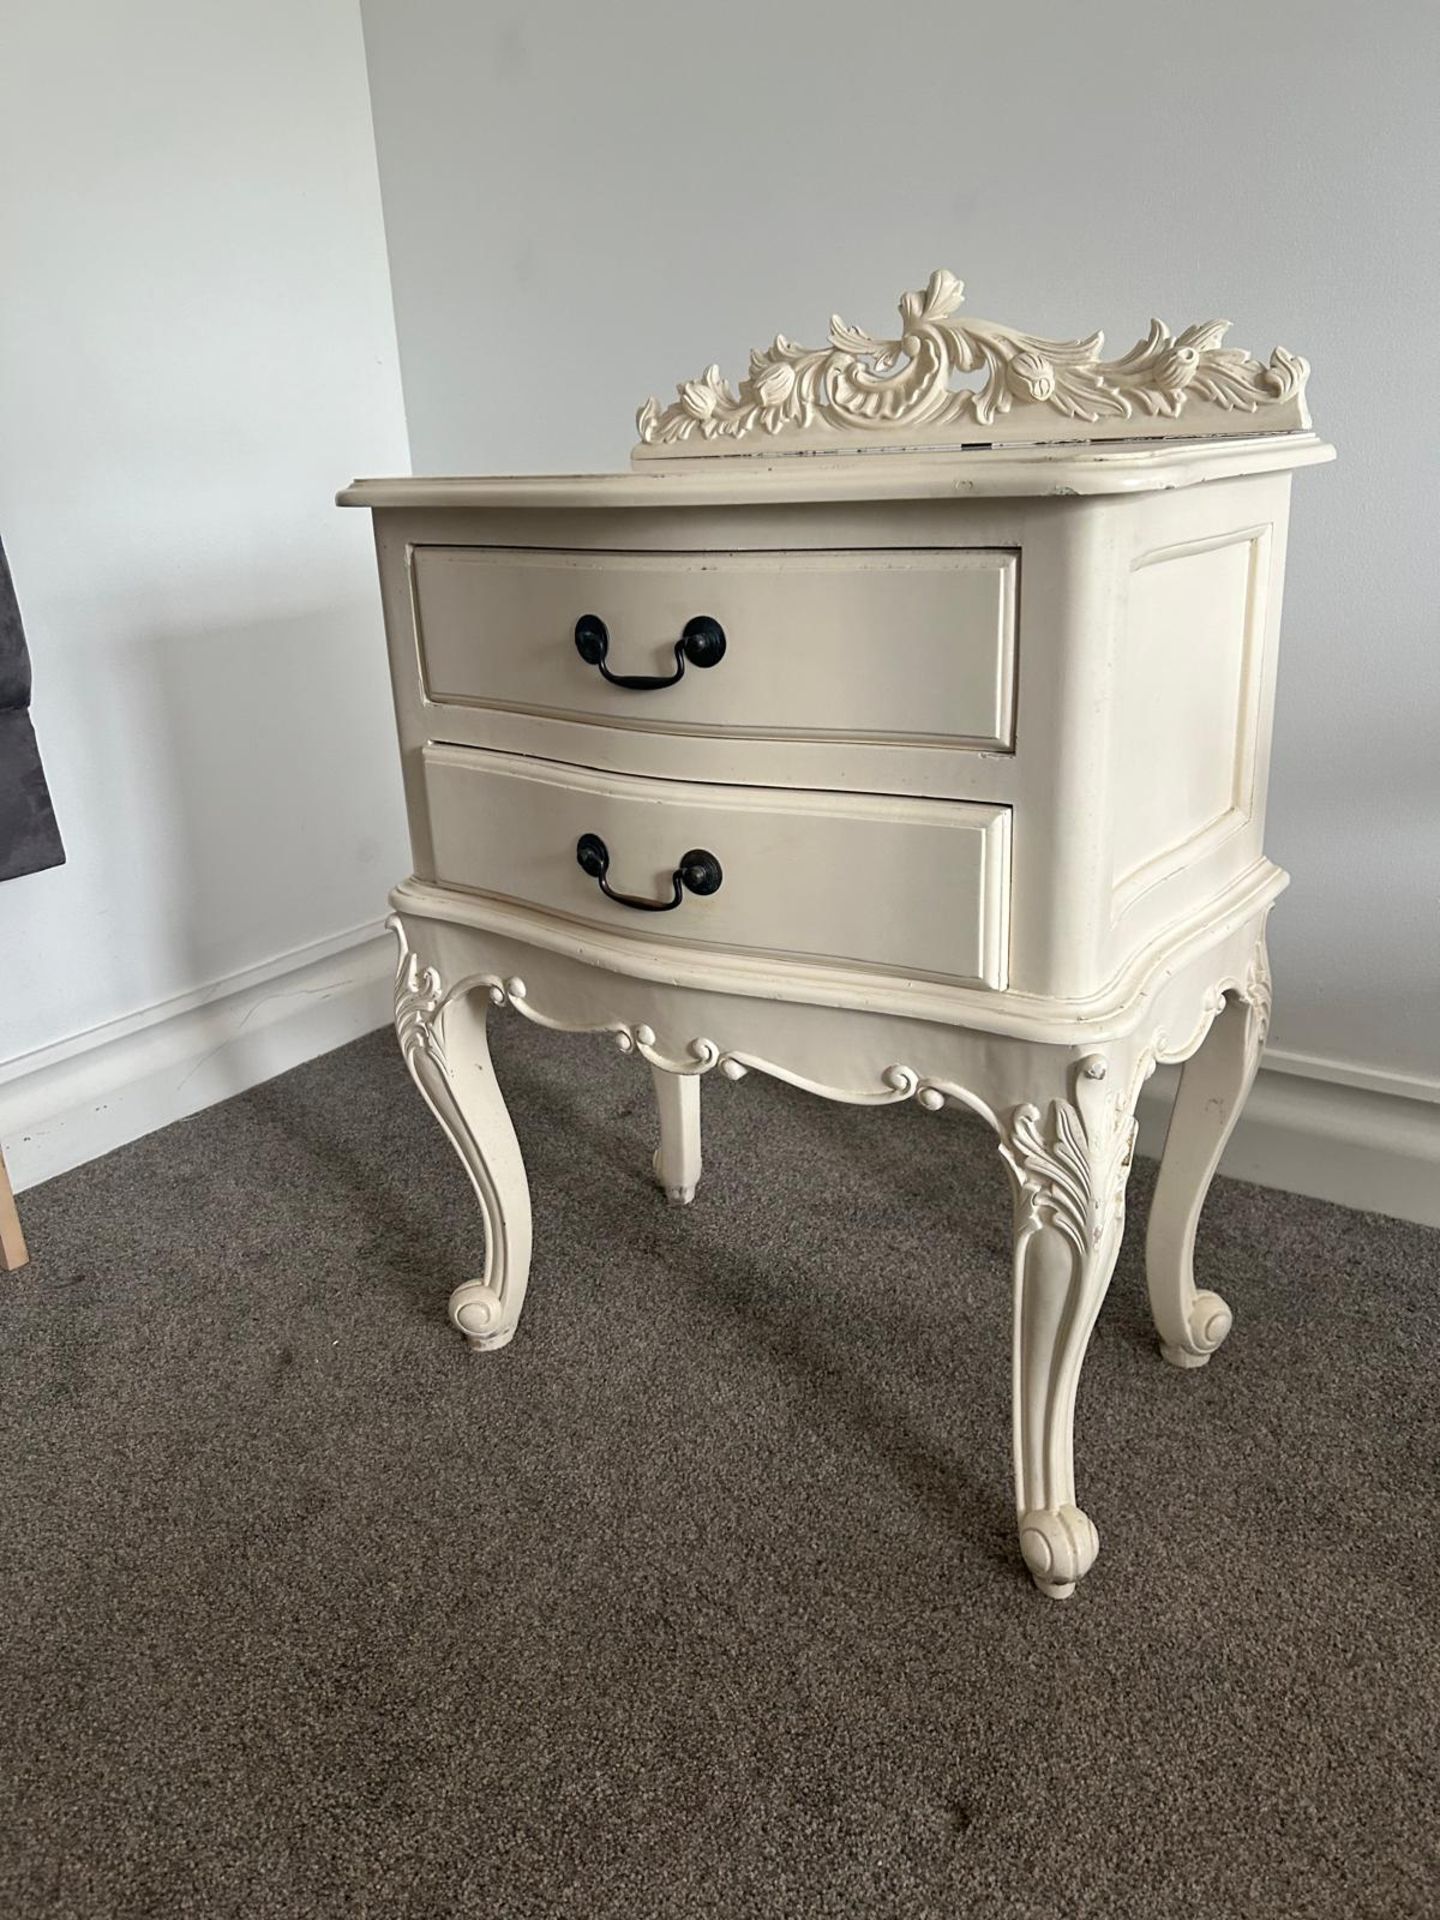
[
  {"x": 677, "y": 1159},
  {"x": 13, "y": 1252}
]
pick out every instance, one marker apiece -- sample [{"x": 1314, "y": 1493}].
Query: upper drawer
[{"x": 867, "y": 646}]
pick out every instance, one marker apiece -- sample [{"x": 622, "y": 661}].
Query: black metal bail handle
[
  {"x": 702, "y": 644},
  {"x": 698, "y": 872}
]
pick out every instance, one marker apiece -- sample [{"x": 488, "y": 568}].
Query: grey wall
[
  {"x": 585, "y": 203},
  {"x": 196, "y": 347}
]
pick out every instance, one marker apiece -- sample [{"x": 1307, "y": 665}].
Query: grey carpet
[{"x": 702, "y": 1598}]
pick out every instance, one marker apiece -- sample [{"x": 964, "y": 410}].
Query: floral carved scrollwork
[
  {"x": 419, "y": 997},
  {"x": 859, "y": 387},
  {"x": 1252, "y": 987},
  {"x": 1256, "y": 991},
  {"x": 1070, "y": 1161}
]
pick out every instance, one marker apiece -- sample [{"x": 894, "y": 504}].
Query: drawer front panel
[
  {"x": 912, "y": 886},
  {"x": 859, "y": 646}
]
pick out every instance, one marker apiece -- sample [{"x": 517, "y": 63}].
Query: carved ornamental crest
[{"x": 946, "y": 382}]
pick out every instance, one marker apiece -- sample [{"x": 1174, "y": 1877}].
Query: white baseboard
[
  {"x": 1356, "y": 1137},
  {"x": 1360, "y": 1138},
  {"x": 98, "y": 1090}
]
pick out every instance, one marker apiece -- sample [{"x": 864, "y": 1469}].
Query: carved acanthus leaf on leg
[
  {"x": 418, "y": 998},
  {"x": 1256, "y": 993}
]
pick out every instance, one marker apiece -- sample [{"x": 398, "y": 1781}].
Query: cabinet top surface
[{"x": 969, "y": 473}]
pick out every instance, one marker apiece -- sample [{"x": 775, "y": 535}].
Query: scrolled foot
[
  {"x": 677, "y": 1196},
  {"x": 1207, "y": 1321},
  {"x": 479, "y": 1313},
  {"x": 1059, "y": 1547}
]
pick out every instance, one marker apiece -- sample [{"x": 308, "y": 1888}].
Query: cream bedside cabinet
[{"x": 898, "y": 726}]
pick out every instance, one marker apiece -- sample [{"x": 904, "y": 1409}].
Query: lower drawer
[{"x": 918, "y": 887}]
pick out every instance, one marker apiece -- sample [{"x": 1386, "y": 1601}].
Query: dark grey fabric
[{"x": 29, "y": 836}]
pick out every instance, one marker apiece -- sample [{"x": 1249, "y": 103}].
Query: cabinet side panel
[
  {"x": 1186, "y": 696},
  {"x": 1191, "y": 701}
]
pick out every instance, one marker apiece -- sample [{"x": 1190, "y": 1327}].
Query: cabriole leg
[
  {"x": 677, "y": 1159},
  {"x": 1213, "y": 1086},
  {"x": 442, "y": 1036},
  {"x": 1069, "y": 1163}
]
